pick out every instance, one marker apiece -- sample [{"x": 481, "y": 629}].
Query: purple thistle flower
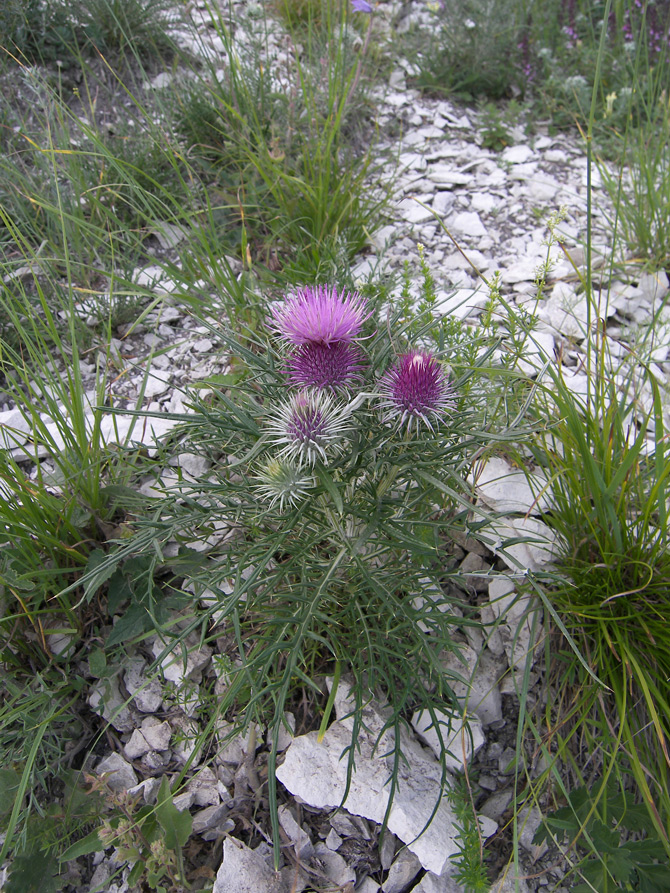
[
  {"x": 361, "y": 6},
  {"x": 320, "y": 315},
  {"x": 416, "y": 389},
  {"x": 309, "y": 424},
  {"x": 334, "y": 367}
]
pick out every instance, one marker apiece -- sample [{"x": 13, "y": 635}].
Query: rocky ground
[{"x": 495, "y": 206}]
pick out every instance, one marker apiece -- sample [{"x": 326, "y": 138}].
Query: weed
[{"x": 613, "y": 859}]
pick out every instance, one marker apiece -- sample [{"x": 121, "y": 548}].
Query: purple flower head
[
  {"x": 361, "y": 6},
  {"x": 320, "y": 315},
  {"x": 416, "y": 389},
  {"x": 308, "y": 425},
  {"x": 333, "y": 367}
]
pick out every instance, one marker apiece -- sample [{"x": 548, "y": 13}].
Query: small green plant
[
  {"x": 287, "y": 172},
  {"x": 136, "y": 29},
  {"x": 495, "y": 133},
  {"x": 151, "y": 838},
  {"x": 640, "y": 191},
  {"x": 470, "y": 50},
  {"x": 604, "y": 825},
  {"x": 470, "y": 870}
]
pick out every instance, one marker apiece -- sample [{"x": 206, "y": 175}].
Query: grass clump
[{"x": 608, "y": 485}]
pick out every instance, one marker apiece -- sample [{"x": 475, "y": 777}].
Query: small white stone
[
  {"x": 157, "y": 382},
  {"x": 474, "y": 678},
  {"x": 14, "y": 429},
  {"x": 484, "y": 202},
  {"x": 193, "y": 464},
  {"x": 402, "y": 872},
  {"x": 468, "y": 223},
  {"x": 535, "y": 548},
  {"x": 156, "y": 733},
  {"x": 413, "y": 212},
  {"x": 210, "y": 817},
  {"x": 508, "y": 882},
  {"x": 517, "y": 154},
  {"x": 137, "y": 746},
  {"x": 301, "y": 841},
  {"x": 147, "y": 693},
  {"x": 106, "y": 699},
  {"x": 336, "y": 868}
]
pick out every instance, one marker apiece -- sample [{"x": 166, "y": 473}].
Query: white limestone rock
[
  {"x": 119, "y": 774},
  {"x": 205, "y": 788},
  {"x": 433, "y": 883},
  {"x": 302, "y": 843},
  {"x": 14, "y": 429},
  {"x": 316, "y": 772},
  {"x": 565, "y": 312},
  {"x": 474, "y": 677},
  {"x": 535, "y": 550},
  {"x": 461, "y": 302},
  {"x": 157, "y": 734},
  {"x": 468, "y": 223},
  {"x": 244, "y": 870},
  {"x": 518, "y": 154},
  {"x": 506, "y": 489},
  {"x": 462, "y": 739},
  {"x": 137, "y": 746},
  {"x": 147, "y": 692},
  {"x": 175, "y": 669},
  {"x": 158, "y": 381},
  {"x": 106, "y": 699},
  {"x": 508, "y": 882},
  {"x": 413, "y": 212},
  {"x": 402, "y": 872},
  {"x": 519, "y": 617},
  {"x": 335, "y": 867}
]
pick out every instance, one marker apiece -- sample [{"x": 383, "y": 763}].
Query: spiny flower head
[
  {"x": 283, "y": 481},
  {"x": 415, "y": 389},
  {"x": 320, "y": 315},
  {"x": 333, "y": 367},
  {"x": 308, "y": 425}
]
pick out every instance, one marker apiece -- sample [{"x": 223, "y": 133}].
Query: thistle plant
[{"x": 339, "y": 452}]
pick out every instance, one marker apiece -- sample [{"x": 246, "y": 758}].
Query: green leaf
[
  {"x": 97, "y": 559},
  {"x": 97, "y": 663},
  {"x": 9, "y": 784},
  {"x": 89, "y": 844},
  {"x": 118, "y": 591},
  {"x": 134, "y": 622},
  {"x": 176, "y": 825},
  {"x": 32, "y": 872},
  {"x": 331, "y": 487}
]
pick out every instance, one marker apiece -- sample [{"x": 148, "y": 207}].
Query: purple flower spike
[
  {"x": 416, "y": 389},
  {"x": 331, "y": 367},
  {"x": 320, "y": 315},
  {"x": 361, "y": 6}
]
